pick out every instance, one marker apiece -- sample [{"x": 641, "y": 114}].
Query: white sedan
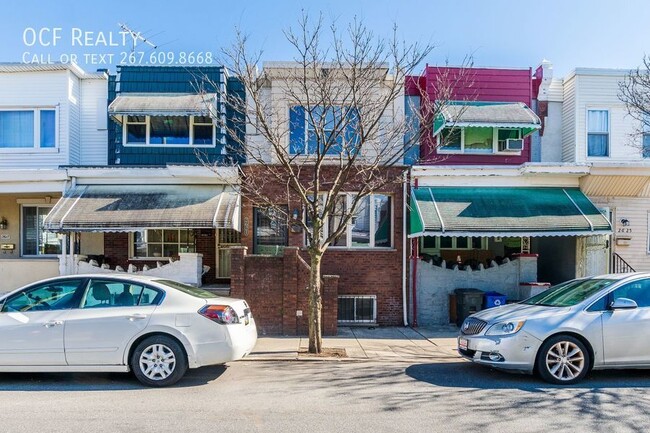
[{"x": 155, "y": 327}]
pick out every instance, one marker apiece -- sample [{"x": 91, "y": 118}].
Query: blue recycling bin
[{"x": 493, "y": 299}]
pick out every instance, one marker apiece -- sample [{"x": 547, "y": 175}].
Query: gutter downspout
[
  {"x": 414, "y": 258},
  {"x": 404, "y": 228}
]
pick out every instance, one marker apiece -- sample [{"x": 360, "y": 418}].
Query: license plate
[{"x": 462, "y": 343}]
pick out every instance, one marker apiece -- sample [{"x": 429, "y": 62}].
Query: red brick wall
[
  {"x": 275, "y": 288},
  {"x": 362, "y": 272},
  {"x": 116, "y": 252}
]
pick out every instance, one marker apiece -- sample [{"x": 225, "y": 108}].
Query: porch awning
[
  {"x": 163, "y": 105},
  {"x": 502, "y": 212},
  {"x": 125, "y": 208},
  {"x": 515, "y": 115}
]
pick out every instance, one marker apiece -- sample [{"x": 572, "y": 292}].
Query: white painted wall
[
  {"x": 551, "y": 141},
  {"x": 93, "y": 122},
  {"x": 17, "y": 273}
]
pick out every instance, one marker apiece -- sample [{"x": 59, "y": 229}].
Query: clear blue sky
[{"x": 515, "y": 33}]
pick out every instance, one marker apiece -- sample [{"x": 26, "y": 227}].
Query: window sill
[
  {"x": 449, "y": 152},
  {"x": 359, "y": 249},
  {"x": 28, "y": 150},
  {"x": 41, "y": 257},
  {"x": 173, "y": 146},
  {"x": 150, "y": 259}
]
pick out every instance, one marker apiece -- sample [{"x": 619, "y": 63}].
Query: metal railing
[{"x": 619, "y": 265}]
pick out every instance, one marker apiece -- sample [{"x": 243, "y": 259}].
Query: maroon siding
[{"x": 474, "y": 84}]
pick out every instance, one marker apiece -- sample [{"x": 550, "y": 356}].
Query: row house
[
  {"x": 364, "y": 280},
  {"x": 51, "y": 116},
  {"x": 483, "y": 214},
  {"x": 586, "y": 124}
]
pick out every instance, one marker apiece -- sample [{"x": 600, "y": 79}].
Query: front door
[
  {"x": 625, "y": 332},
  {"x": 226, "y": 238},
  {"x": 112, "y": 313},
  {"x": 32, "y": 323},
  {"x": 596, "y": 255}
]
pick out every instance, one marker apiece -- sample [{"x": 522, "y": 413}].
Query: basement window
[{"x": 357, "y": 309}]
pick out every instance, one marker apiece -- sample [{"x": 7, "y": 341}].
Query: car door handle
[
  {"x": 134, "y": 317},
  {"x": 53, "y": 323}
]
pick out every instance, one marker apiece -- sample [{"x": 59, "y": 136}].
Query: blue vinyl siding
[{"x": 164, "y": 79}]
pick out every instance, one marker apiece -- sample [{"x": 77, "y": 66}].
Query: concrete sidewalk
[{"x": 365, "y": 343}]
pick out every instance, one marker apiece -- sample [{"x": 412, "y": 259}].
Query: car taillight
[{"x": 223, "y": 314}]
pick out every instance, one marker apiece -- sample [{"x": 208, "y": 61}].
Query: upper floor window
[
  {"x": 169, "y": 131},
  {"x": 645, "y": 138},
  {"x": 28, "y": 129},
  {"x": 480, "y": 140},
  {"x": 331, "y": 130},
  {"x": 597, "y": 133}
]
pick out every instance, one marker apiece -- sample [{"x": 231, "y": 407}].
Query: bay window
[
  {"x": 479, "y": 140},
  {"x": 169, "y": 131}
]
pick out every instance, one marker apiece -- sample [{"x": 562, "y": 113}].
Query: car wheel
[
  {"x": 159, "y": 361},
  {"x": 563, "y": 359}
]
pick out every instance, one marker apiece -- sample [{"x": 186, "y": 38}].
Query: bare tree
[
  {"x": 634, "y": 92},
  {"x": 344, "y": 92}
]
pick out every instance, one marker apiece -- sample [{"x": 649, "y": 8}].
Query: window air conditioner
[{"x": 511, "y": 145}]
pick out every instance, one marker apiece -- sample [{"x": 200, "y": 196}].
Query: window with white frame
[
  {"x": 478, "y": 140},
  {"x": 597, "y": 133},
  {"x": 370, "y": 227},
  {"x": 169, "y": 131},
  {"x": 28, "y": 129},
  {"x": 35, "y": 240},
  {"x": 156, "y": 243},
  {"x": 357, "y": 309}
]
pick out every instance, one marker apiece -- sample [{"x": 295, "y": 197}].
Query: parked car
[
  {"x": 155, "y": 327},
  {"x": 564, "y": 332}
]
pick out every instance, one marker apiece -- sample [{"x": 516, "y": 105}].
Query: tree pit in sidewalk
[{"x": 326, "y": 352}]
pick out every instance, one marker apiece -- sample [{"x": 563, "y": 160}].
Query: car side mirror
[{"x": 623, "y": 304}]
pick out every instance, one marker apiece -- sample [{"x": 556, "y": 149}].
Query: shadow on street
[
  {"x": 467, "y": 375},
  {"x": 97, "y": 381}
]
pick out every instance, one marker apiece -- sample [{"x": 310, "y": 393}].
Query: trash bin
[
  {"x": 468, "y": 301},
  {"x": 493, "y": 299}
]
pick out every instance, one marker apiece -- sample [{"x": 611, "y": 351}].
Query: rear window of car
[
  {"x": 185, "y": 288},
  {"x": 570, "y": 293}
]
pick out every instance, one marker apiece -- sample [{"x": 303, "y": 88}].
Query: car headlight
[{"x": 505, "y": 328}]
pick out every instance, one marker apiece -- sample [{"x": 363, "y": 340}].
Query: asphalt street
[{"x": 326, "y": 396}]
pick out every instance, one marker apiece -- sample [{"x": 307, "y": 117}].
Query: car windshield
[
  {"x": 190, "y": 290},
  {"x": 570, "y": 293}
]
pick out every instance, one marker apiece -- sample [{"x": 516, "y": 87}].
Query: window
[
  {"x": 169, "y": 131},
  {"x": 453, "y": 243},
  {"x": 638, "y": 291},
  {"x": 53, "y": 295},
  {"x": 35, "y": 240},
  {"x": 370, "y": 227},
  {"x": 645, "y": 138},
  {"x": 597, "y": 133},
  {"x": 112, "y": 293},
  {"x": 330, "y": 130},
  {"x": 28, "y": 129},
  {"x": 163, "y": 242},
  {"x": 271, "y": 234},
  {"x": 477, "y": 140},
  {"x": 357, "y": 309}
]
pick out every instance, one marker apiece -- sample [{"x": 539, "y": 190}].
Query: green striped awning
[{"x": 504, "y": 211}]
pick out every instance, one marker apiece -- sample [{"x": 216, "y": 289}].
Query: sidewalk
[{"x": 365, "y": 343}]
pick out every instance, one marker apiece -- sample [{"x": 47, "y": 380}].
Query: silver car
[{"x": 564, "y": 332}]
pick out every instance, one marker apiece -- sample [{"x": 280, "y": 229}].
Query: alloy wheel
[{"x": 565, "y": 360}]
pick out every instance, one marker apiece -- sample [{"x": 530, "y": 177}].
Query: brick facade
[
  {"x": 369, "y": 271},
  {"x": 116, "y": 252},
  {"x": 276, "y": 289}
]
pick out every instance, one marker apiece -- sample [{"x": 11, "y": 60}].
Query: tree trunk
[{"x": 315, "y": 304}]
